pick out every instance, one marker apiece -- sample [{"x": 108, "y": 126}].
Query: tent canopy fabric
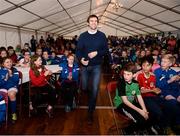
[{"x": 65, "y": 17}]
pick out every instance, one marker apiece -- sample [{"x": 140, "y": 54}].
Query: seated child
[
  {"x": 25, "y": 61},
  {"x": 69, "y": 81},
  {"x": 9, "y": 77},
  {"x": 39, "y": 81},
  {"x": 55, "y": 59},
  {"x": 126, "y": 103},
  {"x": 167, "y": 79},
  {"x": 45, "y": 58}
]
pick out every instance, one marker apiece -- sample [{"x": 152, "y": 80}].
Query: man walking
[{"x": 92, "y": 46}]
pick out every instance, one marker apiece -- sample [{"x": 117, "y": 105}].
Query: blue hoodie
[
  {"x": 65, "y": 72},
  {"x": 11, "y": 82}
]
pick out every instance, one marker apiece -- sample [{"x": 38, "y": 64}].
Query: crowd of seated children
[
  {"x": 39, "y": 81},
  {"x": 69, "y": 81},
  {"x": 125, "y": 101},
  {"x": 25, "y": 60},
  {"x": 9, "y": 77},
  {"x": 161, "y": 111}
]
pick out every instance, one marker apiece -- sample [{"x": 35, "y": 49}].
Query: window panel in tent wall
[
  {"x": 2, "y": 38},
  {"x": 26, "y": 37},
  {"x": 9, "y": 37}
]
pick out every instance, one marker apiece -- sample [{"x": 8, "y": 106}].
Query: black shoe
[
  {"x": 90, "y": 118},
  {"x": 50, "y": 113},
  {"x": 153, "y": 130}
]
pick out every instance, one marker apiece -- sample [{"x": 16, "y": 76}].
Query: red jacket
[{"x": 37, "y": 81}]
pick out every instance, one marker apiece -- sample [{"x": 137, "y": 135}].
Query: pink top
[{"x": 155, "y": 66}]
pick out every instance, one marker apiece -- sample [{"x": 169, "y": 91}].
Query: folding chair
[
  {"x": 32, "y": 92},
  {"x": 111, "y": 89}
]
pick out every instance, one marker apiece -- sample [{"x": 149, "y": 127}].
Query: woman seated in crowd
[
  {"x": 9, "y": 77},
  {"x": 39, "y": 81},
  {"x": 69, "y": 81}
]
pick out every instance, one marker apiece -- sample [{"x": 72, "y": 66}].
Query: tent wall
[{"x": 9, "y": 37}]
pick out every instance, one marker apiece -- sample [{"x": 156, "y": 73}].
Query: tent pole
[{"x": 19, "y": 34}]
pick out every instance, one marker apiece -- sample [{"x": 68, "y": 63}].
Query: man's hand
[
  {"x": 85, "y": 63},
  {"x": 92, "y": 54}
]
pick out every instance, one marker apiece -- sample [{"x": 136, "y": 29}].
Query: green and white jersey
[{"x": 131, "y": 90}]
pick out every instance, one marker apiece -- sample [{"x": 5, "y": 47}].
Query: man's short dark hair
[{"x": 92, "y": 16}]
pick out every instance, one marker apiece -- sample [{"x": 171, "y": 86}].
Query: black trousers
[
  {"x": 138, "y": 121},
  {"x": 37, "y": 95},
  {"x": 69, "y": 90}
]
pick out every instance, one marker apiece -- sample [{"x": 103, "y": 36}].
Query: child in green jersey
[{"x": 128, "y": 101}]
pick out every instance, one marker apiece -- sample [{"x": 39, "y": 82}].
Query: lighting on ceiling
[{"x": 116, "y": 5}]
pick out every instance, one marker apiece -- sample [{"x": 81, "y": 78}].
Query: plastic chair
[{"x": 111, "y": 89}]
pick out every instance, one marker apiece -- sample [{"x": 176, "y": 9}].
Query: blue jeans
[{"x": 90, "y": 81}]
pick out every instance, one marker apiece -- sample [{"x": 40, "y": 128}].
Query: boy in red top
[
  {"x": 38, "y": 76},
  {"x": 147, "y": 81}
]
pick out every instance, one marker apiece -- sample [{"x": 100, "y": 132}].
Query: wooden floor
[{"x": 74, "y": 122}]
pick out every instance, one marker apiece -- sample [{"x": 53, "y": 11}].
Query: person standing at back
[{"x": 91, "y": 47}]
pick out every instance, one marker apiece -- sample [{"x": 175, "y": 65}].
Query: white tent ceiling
[{"x": 63, "y": 17}]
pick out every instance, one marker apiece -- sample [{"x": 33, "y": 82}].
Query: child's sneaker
[{"x": 14, "y": 117}]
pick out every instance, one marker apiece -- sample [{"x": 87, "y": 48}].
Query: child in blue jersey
[
  {"x": 69, "y": 81},
  {"x": 9, "y": 80},
  {"x": 168, "y": 79}
]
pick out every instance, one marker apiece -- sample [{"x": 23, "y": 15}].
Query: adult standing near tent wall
[
  {"x": 92, "y": 46},
  {"x": 33, "y": 44}
]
